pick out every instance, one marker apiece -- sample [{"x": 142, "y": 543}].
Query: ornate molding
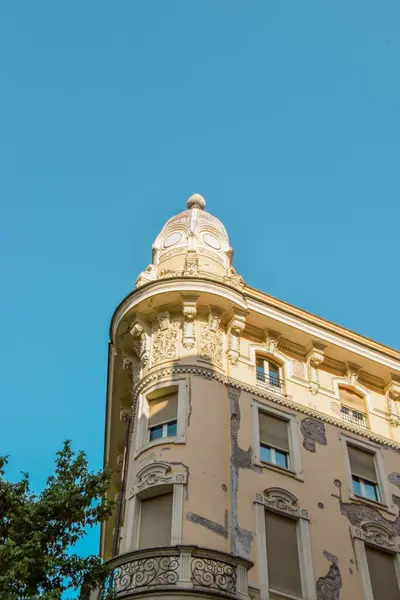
[
  {"x": 392, "y": 392},
  {"x": 235, "y": 329},
  {"x": 165, "y": 337},
  {"x": 158, "y": 473},
  {"x": 191, "y": 264},
  {"x": 263, "y": 393},
  {"x": 272, "y": 340},
  {"x": 140, "y": 342},
  {"x": 234, "y": 279},
  {"x": 125, "y": 414},
  {"x": 189, "y": 311},
  {"x": 331, "y": 364},
  {"x": 315, "y": 358},
  {"x": 282, "y": 501},
  {"x": 211, "y": 339},
  {"x": 352, "y": 373},
  {"x": 376, "y": 534},
  {"x": 131, "y": 363},
  {"x": 149, "y": 274},
  {"x": 291, "y": 347},
  {"x": 371, "y": 381}
]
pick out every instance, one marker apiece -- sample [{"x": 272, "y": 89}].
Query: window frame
[
  {"x": 284, "y": 503},
  {"x": 294, "y": 456},
  {"x": 154, "y": 480},
  {"x": 276, "y": 363},
  {"x": 142, "y": 429},
  {"x": 379, "y": 464},
  {"x": 365, "y": 536}
]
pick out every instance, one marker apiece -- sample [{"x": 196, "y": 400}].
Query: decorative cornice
[
  {"x": 266, "y": 394},
  {"x": 371, "y": 381},
  {"x": 331, "y": 364},
  {"x": 281, "y": 501},
  {"x": 376, "y": 534},
  {"x": 292, "y": 347}
]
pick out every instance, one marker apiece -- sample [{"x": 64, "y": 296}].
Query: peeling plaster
[
  {"x": 329, "y": 586},
  {"x": 358, "y": 513},
  {"x": 223, "y": 487},
  {"x": 313, "y": 431},
  {"x": 241, "y": 539},
  {"x": 395, "y": 479},
  {"x": 210, "y": 525},
  {"x": 321, "y": 505}
]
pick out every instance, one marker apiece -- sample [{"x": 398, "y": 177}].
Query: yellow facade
[{"x": 245, "y": 417}]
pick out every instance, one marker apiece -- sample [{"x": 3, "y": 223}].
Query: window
[
  {"x": 274, "y": 440},
  {"x": 352, "y": 407},
  {"x": 268, "y": 372},
  {"x": 163, "y": 416},
  {"x": 283, "y": 555},
  {"x": 155, "y": 521},
  {"x": 363, "y": 473},
  {"x": 382, "y": 574}
]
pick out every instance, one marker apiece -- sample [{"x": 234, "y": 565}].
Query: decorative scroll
[
  {"x": 213, "y": 574},
  {"x": 280, "y": 500},
  {"x": 376, "y": 534},
  {"x": 146, "y": 572},
  {"x": 165, "y": 336}
]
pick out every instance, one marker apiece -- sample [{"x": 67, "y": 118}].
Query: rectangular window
[
  {"x": 282, "y": 554},
  {"x": 155, "y": 521},
  {"x": 274, "y": 440},
  {"x": 382, "y": 574},
  {"x": 162, "y": 421},
  {"x": 363, "y": 473}
]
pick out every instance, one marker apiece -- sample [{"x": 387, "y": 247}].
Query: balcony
[
  {"x": 353, "y": 416},
  {"x": 176, "y": 569},
  {"x": 272, "y": 382}
]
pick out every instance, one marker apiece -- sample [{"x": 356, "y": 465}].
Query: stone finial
[{"x": 196, "y": 201}]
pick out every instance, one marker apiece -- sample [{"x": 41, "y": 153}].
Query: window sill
[
  {"x": 159, "y": 442},
  {"x": 274, "y": 595},
  {"x": 278, "y": 469},
  {"x": 373, "y": 503}
]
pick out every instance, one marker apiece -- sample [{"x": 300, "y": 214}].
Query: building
[{"x": 257, "y": 446}]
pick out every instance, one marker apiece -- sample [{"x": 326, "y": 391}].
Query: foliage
[{"x": 38, "y": 532}]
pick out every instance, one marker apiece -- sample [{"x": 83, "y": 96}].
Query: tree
[{"x": 38, "y": 532}]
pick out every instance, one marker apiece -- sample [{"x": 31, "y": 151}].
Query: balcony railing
[
  {"x": 176, "y": 568},
  {"x": 353, "y": 416},
  {"x": 271, "y": 381}
]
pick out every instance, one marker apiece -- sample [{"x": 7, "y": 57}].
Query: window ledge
[
  {"x": 379, "y": 505},
  {"x": 275, "y": 595},
  {"x": 159, "y": 442},
  {"x": 278, "y": 469}
]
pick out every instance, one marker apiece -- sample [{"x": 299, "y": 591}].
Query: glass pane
[
  {"x": 281, "y": 459},
  {"x": 356, "y": 486},
  {"x": 156, "y": 432},
  {"x": 265, "y": 453},
  {"x": 171, "y": 429},
  {"x": 273, "y": 374},
  {"x": 371, "y": 491}
]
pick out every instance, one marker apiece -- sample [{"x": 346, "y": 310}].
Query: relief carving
[
  {"x": 314, "y": 360},
  {"x": 235, "y": 329},
  {"x": 140, "y": 343},
  {"x": 211, "y": 340},
  {"x": 158, "y": 473},
  {"x": 282, "y": 501},
  {"x": 165, "y": 337},
  {"x": 189, "y": 323},
  {"x": 376, "y": 534}
]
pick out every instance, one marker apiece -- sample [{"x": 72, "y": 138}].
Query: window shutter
[
  {"x": 163, "y": 409},
  {"x": 155, "y": 521},
  {"x": 382, "y": 574},
  {"x": 352, "y": 400},
  {"x": 282, "y": 554},
  {"x": 362, "y": 463},
  {"x": 274, "y": 431}
]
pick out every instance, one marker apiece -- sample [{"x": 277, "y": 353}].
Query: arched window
[
  {"x": 269, "y": 372},
  {"x": 352, "y": 407}
]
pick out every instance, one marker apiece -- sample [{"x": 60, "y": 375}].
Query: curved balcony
[{"x": 175, "y": 569}]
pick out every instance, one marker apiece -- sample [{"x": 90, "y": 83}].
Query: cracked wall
[
  {"x": 313, "y": 432},
  {"x": 328, "y": 587}
]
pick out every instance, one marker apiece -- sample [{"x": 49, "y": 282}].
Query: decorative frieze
[
  {"x": 165, "y": 337},
  {"x": 315, "y": 358},
  {"x": 189, "y": 311},
  {"x": 211, "y": 338},
  {"x": 235, "y": 329}
]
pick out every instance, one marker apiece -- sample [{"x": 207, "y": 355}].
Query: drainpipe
[{"x": 122, "y": 485}]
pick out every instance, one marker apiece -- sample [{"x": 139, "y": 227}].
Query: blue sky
[{"x": 283, "y": 114}]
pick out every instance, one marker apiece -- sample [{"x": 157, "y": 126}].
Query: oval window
[
  {"x": 172, "y": 239},
  {"x": 212, "y": 241}
]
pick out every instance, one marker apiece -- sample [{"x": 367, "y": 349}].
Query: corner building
[{"x": 256, "y": 447}]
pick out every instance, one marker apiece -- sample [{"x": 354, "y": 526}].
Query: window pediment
[
  {"x": 282, "y": 501},
  {"x": 160, "y": 473}
]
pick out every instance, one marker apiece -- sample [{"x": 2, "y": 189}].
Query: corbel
[
  {"x": 392, "y": 392},
  {"x": 141, "y": 344},
  {"x": 352, "y": 373},
  {"x": 315, "y": 358},
  {"x": 189, "y": 310},
  {"x": 272, "y": 340},
  {"x": 214, "y": 318},
  {"x": 235, "y": 328}
]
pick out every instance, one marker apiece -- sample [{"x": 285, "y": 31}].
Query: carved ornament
[
  {"x": 189, "y": 311},
  {"x": 272, "y": 340},
  {"x": 149, "y": 274},
  {"x": 235, "y": 329},
  {"x": 315, "y": 358},
  {"x": 158, "y": 473},
  {"x": 211, "y": 340},
  {"x": 140, "y": 343},
  {"x": 165, "y": 337},
  {"x": 234, "y": 279},
  {"x": 376, "y": 534},
  {"x": 282, "y": 501},
  {"x": 352, "y": 373}
]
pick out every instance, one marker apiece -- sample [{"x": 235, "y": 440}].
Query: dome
[{"x": 192, "y": 243}]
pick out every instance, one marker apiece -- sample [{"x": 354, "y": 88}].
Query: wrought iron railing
[
  {"x": 174, "y": 568},
  {"x": 353, "y": 416},
  {"x": 272, "y": 381}
]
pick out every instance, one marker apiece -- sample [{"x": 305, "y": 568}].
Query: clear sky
[{"x": 284, "y": 114}]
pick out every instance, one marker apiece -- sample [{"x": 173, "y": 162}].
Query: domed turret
[{"x": 192, "y": 243}]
